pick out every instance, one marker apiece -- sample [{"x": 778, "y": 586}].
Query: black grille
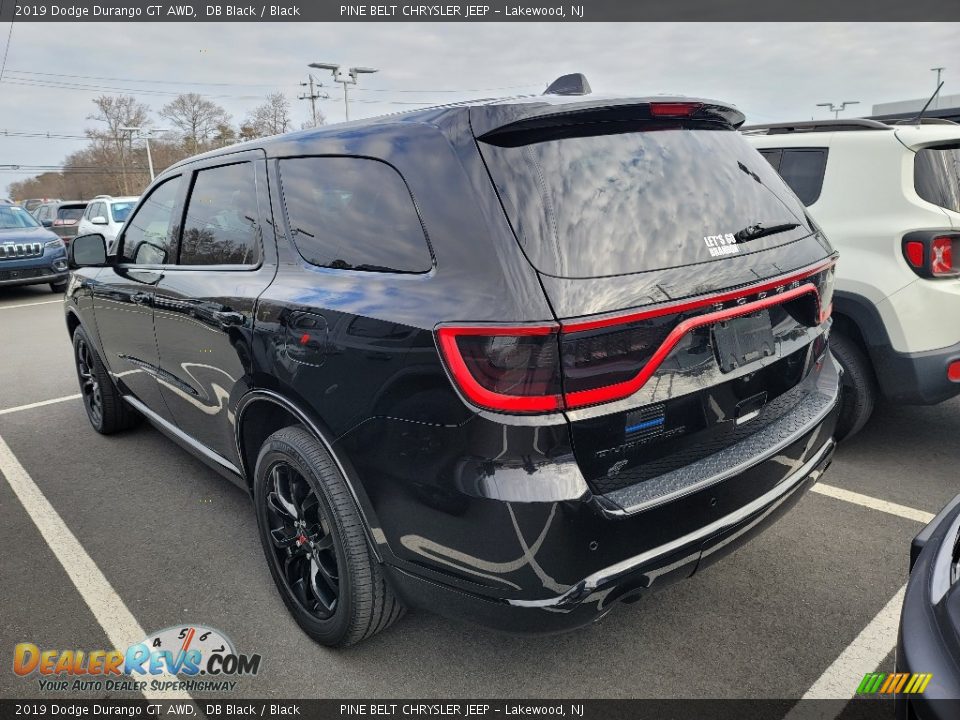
[{"x": 25, "y": 274}]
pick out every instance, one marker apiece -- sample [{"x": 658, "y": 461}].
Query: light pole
[
  {"x": 146, "y": 134},
  {"x": 837, "y": 109},
  {"x": 350, "y": 78}
]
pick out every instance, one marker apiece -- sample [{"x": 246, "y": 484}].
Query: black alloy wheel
[
  {"x": 89, "y": 384},
  {"x": 303, "y": 541}
]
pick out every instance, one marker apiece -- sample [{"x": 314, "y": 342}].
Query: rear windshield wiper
[{"x": 755, "y": 232}]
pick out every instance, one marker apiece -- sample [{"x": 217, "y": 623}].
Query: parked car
[
  {"x": 32, "y": 204},
  {"x": 30, "y": 254},
  {"x": 516, "y": 361},
  {"x": 62, "y": 217},
  {"x": 105, "y": 215},
  {"x": 929, "y": 640},
  {"x": 889, "y": 199}
]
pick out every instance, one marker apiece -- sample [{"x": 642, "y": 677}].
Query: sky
[{"x": 771, "y": 71}]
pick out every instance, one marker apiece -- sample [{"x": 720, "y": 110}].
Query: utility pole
[
  {"x": 936, "y": 99},
  {"x": 837, "y": 109},
  {"x": 313, "y": 96},
  {"x": 348, "y": 78}
]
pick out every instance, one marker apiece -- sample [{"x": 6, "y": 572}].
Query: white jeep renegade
[{"x": 888, "y": 197}]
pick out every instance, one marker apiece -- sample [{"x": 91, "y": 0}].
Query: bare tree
[
  {"x": 197, "y": 118},
  {"x": 271, "y": 118},
  {"x": 309, "y": 123},
  {"x": 118, "y": 111}
]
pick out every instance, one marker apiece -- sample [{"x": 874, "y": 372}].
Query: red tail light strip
[
  {"x": 704, "y": 301},
  {"x": 447, "y": 338},
  {"x": 628, "y": 387}
]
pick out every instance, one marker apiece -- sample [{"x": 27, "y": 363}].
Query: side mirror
[
  {"x": 87, "y": 251},
  {"x": 99, "y": 220},
  {"x": 47, "y": 222}
]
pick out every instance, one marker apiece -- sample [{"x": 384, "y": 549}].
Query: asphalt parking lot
[{"x": 804, "y": 609}]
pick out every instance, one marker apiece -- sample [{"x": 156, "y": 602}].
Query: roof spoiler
[{"x": 572, "y": 84}]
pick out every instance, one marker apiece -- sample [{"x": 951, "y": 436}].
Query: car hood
[{"x": 38, "y": 234}]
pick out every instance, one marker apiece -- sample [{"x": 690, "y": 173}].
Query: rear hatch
[
  {"x": 67, "y": 219},
  {"x": 691, "y": 291}
]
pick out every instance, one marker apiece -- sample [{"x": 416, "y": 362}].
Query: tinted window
[
  {"x": 601, "y": 205},
  {"x": 220, "y": 227},
  {"x": 150, "y": 238},
  {"x": 353, "y": 214},
  {"x": 72, "y": 212},
  {"x": 937, "y": 176},
  {"x": 772, "y": 157},
  {"x": 802, "y": 169},
  {"x": 120, "y": 210},
  {"x": 96, "y": 210}
]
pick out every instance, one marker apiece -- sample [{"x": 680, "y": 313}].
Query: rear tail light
[
  {"x": 552, "y": 367},
  {"x": 941, "y": 256},
  {"x": 931, "y": 254},
  {"x": 508, "y": 369}
]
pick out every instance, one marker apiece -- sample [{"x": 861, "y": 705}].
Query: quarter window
[
  {"x": 353, "y": 214},
  {"x": 151, "y": 235},
  {"x": 802, "y": 169},
  {"x": 936, "y": 176},
  {"x": 220, "y": 227}
]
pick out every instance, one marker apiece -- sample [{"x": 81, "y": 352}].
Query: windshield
[
  {"x": 13, "y": 218},
  {"x": 120, "y": 211},
  {"x": 601, "y": 205}
]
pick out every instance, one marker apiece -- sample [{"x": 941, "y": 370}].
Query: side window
[
  {"x": 220, "y": 227},
  {"x": 98, "y": 210},
  {"x": 802, "y": 169},
  {"x": 773, "y": 157},
  {"x": 936, "y": 176},
  {"x": 353, "y": 214},
  {"x": 150, "y": 238}
]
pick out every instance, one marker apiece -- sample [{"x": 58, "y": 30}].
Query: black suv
[{"x": 514, "y": 361}]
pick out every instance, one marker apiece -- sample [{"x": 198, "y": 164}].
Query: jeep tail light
[
  {"x": 930, "y": 254},
  {"x": 941, "y": 256},
  {"x": 507, "y": 369},
  {"x": 953, "y": 371}
]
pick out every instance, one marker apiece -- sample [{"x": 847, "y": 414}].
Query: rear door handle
[{"x": 142, "y": 298}]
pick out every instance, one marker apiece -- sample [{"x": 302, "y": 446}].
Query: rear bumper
[
  {"x": 652, "y": 547},
  {"x": 916, "y": 378},
  {"x": 929, "y": 637}
]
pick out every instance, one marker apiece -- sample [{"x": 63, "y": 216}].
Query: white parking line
[
  {"x": 873, "y": 503},
  {"x": 110, "y": 611},
  {"x": 863, "y": 655},
  {"x": 65, "y": 398},
  {"x": 30, "y": 304}
]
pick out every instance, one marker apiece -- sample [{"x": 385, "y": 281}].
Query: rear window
[
  {"x": 120, "y": 211},
  {"x": 936, "y": 176},
  {"x": 353, "y": 214},
  {"x": 632, "y": 202},
  {"x": 72, "y": 212}
]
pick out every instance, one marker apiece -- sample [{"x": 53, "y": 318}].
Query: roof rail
[
  {"x": 922, "y": 121},
  {"x": 815, "y": 126},
  {"x": 99, "y": 197}
]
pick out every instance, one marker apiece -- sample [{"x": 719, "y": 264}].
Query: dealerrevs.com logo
[{"x": 191, "y": 658}]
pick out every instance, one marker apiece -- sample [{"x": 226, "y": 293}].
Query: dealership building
[{"x": 946, "y": 107}]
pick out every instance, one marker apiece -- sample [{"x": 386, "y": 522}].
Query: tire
[
  {"x": 859, "y": 386},
  {"x": 314, "y": 541},
  {"x": 58, "y": 287},
  {"x": 106, "y": 409}
]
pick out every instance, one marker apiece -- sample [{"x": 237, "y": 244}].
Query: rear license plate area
[{"x": 743, "y": 340}]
